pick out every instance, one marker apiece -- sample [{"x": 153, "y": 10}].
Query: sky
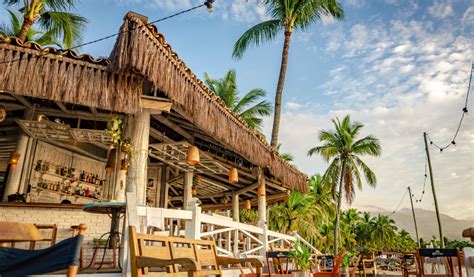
[{"x": 401, "y": 67}]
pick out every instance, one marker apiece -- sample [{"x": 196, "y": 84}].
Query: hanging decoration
[
  {"x": 3, "y": 113},
  {"x": 124, "y": 165},
  {"x": 193, "y": 155},
  {"x": 247, "y": 205},
  {"x": 14, "y": 158},
  {"x": 233, "y": 175},
  {"x": 261, "y": 190},
  {"x": 196, "y": 183},
  {"x": 110, "y": 165}
]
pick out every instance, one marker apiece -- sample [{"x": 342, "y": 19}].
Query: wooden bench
[{"x": 177, "y": 256}]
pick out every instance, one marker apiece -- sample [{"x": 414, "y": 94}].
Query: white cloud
[
  {"x": 441, "y": 10},
  {"x": 292, "y": 106},
  {"x": 400, "y": 79}
]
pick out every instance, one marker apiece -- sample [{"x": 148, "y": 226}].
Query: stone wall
[{"x": 64, "y": 218}]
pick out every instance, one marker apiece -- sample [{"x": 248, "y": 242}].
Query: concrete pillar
[
  {"x": 15, "y": 172},
  {"x": 139, "y": 131},
  {"x": 188, "y": 188}
]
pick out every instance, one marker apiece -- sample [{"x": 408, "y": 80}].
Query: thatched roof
[
  {"x": 141, "y": 49},
  {"x": 67, "y": 77}
]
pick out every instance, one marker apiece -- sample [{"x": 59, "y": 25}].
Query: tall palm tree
[
  {"x": 250, "y": 107},
  {"x": 287, "y": 15},
  {"x": 294, "y": 215},
  {"x": 13, "y": 29},
  {"x": 343, "y": 147},
  {"x": 52, "y": 16}
]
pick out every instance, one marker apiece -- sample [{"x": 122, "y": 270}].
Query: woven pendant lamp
[
  {"x": 14, "y": 158},
  {"x": 110, "y": 165},
  {"x": 233, "y": 175},
  {"x": 193, "y": 155},
  {"x": 3, "y": 113},
  {"x": 247, "y": 205}
]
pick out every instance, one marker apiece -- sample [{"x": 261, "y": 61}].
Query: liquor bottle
[{"x": 93, "y": 179}]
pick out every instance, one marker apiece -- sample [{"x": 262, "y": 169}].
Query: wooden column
[
  {"x": 235, "y": 207},
  {"x": 262, "y": 210},
  {"x": 158, "y": 187},
  {"x": 235, "y": 217},
  {"x": 188, "y": 188},
  {"x": 164, "y": 187},
  {"x": 15, "y": 172},
  {"x": 139, "y": 131}
]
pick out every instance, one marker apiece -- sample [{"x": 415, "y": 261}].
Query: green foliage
[
  {"x": 285, "y": 16},
  {"x": 285, "y": 156},
  {"x": 248, "y": 216},
  {"x": 12, "y": 29},
  {"x": 251, "y": 108},
  {"x": 302, "y": 255},
  {"x": 53, "y": 17}
]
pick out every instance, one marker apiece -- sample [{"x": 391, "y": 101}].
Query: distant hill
[{"x": 426, "y": 220}]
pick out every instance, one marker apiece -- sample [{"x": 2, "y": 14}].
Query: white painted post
[
  {"x": 193, "y": 227},
  {"x": 188, "y": 188},
  {"x": 14, "y": 175},
  {"x": 235, "y": 217},
  {"x": 139, "y": 132},
  {"x": 262, "y": 211}
]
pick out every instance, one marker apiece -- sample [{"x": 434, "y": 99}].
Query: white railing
[{"x": 233, "y": 239}]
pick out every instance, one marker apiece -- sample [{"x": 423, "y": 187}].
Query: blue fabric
[
  {"x": 20, "y": 262},
  {"x": 104, "y": 204}
]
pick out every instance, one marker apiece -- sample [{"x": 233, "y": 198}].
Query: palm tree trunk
[
  {"x": 279, "y": 90},
  {"x": 338, "y": 212},
  {"x": 27, "y": 23}
]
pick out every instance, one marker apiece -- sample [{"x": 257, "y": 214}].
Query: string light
[
  {"x": 424, "y": 184},
  {"x": 464, "y": 112},
  {"x": 400, "y": 203},
  {"x": 208, "y": 4}
]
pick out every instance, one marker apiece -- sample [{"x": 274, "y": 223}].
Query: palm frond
[
  {"x": 368, "y": 173},
  {"x": 68, "y": 25},
  {"x": 265, "y": 31}
]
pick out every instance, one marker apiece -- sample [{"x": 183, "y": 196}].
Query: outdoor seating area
[{"x": 132, "y": 166}]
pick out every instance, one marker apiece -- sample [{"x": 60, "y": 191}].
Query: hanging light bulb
[
  {"x": 261, "y": 190},
  {"x": 233, "y": 175},
  {"x": 193, "y": 155},
  {"x": 110, "y": 165},
  {"x": 14, "y": 158},
  {"x": 40, "y": 117},
  {"x": 247, "y": 205},
  {"x": 3, "y": 113}
]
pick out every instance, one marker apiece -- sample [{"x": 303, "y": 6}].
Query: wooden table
[{"x": 18, "y": 232}]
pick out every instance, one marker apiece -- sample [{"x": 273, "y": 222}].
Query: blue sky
[{"x": 399, "y": 66}]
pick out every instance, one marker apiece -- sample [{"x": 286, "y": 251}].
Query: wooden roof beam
[
  {"x": 174, "y": 127},
  {"x": 22, "y": 100}
]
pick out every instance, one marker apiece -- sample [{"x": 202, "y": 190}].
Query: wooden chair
[
  {"x": 19, "y": 262},
  {"x": 52, "y": 238},
  {"x": 469, "y": 260},
  {"x": 367, "y": 264},
  {"x": 177, "y": 256},
  {"x": 441, "y": 258},
  {"x": 336, "y": 268},
  {"x": 410, "y": 263}
]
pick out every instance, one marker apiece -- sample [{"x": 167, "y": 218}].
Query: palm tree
[
  {"x": 13, "y": 29},
  {"x": 343, "y": 147},
  {"x": 250, "y": 107},
  {"x": 384, "y": 232},
  {"x": 287, "y": 15},
  {"x": 294, "y": 215},
  {"x": 51, "y": 16},
  {"x": 321, "y": 193},
  {"x": 350, "y": 218}
]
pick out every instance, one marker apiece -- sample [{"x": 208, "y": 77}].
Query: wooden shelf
[
  {"x": 68, "y": 178},
  {"x": 66, "y": 194}
]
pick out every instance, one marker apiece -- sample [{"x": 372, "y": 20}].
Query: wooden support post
[
  {"x": 193, "y": 227},
  {"x": 235, "y": 217},
  {"x": 139, "y": 131},
  {"x": 158, "y": 187},
  {"x": 164, "y": 187},
  {"x": 262, "y": 210},
  {"x": 188, "y": 187},
  {"x": 15, "y": 172}
]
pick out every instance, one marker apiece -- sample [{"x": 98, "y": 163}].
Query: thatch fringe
[
  {"x": 69, "y": 78},
  {"x": 144, "y": 50}
]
